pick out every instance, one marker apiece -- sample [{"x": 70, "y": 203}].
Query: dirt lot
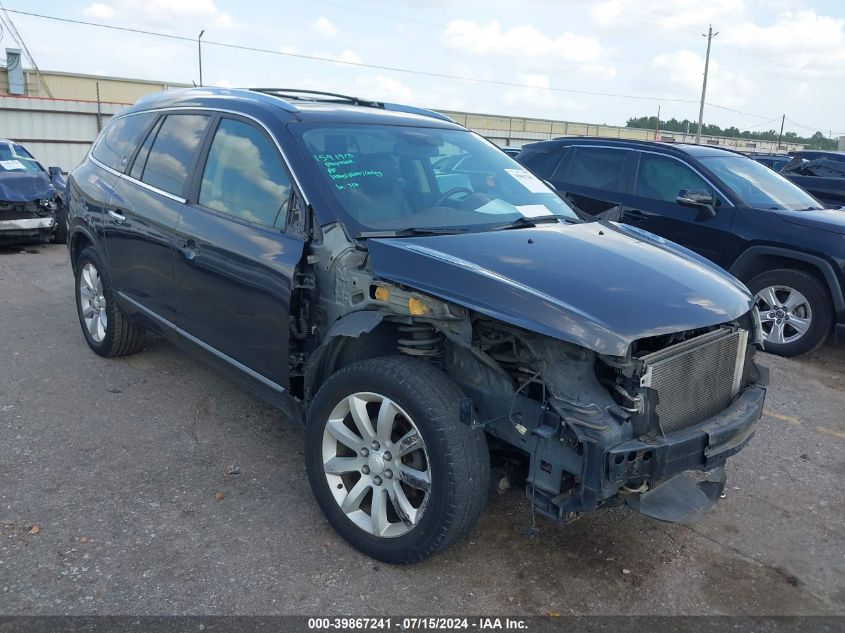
[{"x": 119, "y": 461}]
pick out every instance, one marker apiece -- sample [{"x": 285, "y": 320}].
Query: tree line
[{"x": 816, "y": 141}]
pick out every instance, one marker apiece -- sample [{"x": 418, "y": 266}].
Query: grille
[
  {"x": 18, "y": 211},
  {"x": 696, "y": 379}
]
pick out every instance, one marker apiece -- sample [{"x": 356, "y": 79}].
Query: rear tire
[
  {"x": 441, "y": 453},
  {"x": 106, "y": 329},
  {"x": 795, "y": 310}
]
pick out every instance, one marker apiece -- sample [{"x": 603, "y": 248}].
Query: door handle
[
  {"x": 188, "y": 249},
  {"x": 633, "y": 215},
  {"x": 118, "y": 217}
]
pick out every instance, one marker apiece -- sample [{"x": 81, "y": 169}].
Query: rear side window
[
  {"x": 141, "y": 157},
  {"x": 542, "y": 162},
  {"x": 244, "y": 176},
  {"x": 662, "y": 178},
  {"x": 598, "y": 167},
  {"x": 118, "y": 142},
  {"x": 173, "y": 150}
]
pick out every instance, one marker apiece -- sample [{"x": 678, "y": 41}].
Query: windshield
[
  {"x": 757, "y": 185},
  {"x": 390, "y": 178},
  {"x": 11, "y": 161}
]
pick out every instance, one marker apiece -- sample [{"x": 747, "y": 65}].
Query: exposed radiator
[{"x": 697, "y": 378}]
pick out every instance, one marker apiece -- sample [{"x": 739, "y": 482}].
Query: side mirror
[
  {"x": 697, "y": 198},
  {"x": 55, "y": 171}
]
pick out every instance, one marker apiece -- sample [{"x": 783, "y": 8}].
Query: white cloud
[
  {"x": 659, "y": 13},
  {"x": 99, "y": 10},
  {"x": 538, "y": 93},
  {"x": 324, "y": 26},
  {"x": 289, "y": 50},
  {"x": 801, "y": 42},
  {"x": 165, "y": 15},
  {"x": 223, "y": 83},
  {"x": 682, "y": 73},
  {"x": 387, "y": 89},
  {"x": 223, "y": 21},
  {"x": 520, "y": 41},
  {"x": 349, "y": 56}
]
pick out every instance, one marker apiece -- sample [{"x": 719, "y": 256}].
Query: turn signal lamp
[
  {"x": 381, "y": 293},
  {"x": 416, "y": 306}
]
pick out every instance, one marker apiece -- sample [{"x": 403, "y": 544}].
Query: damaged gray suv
[{"x": 423, "y": 305}]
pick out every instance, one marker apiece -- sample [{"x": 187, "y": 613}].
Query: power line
[
  {"x": 255, "y": 49},
  {"x": 397, "y": 69}
]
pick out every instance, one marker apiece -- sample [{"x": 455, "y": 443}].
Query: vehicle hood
[
  {"x": 825, "y": 219},
  {"x": 25, "y": 186},
  {"x": 598, "y": 285}
]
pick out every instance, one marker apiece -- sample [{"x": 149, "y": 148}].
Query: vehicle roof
[
  {"x": 690, "y": 149},
  {"x": 295, "y": 105},
  {"x": 759, "y": 155}
]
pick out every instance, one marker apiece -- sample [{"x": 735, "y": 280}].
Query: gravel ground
[{"x": 120, "y": 465}]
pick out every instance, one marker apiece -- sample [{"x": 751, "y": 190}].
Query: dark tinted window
[
  {"x": 542, "y": 162},
  {"x": 144, "y": 153},
  {"x": 173, "y": 150},
  {"x": 598, "y": 167},
  {"x": 661, "y": 178},
  {"x": 20, "y": 150},
  {"x": 118, "y": 142},
  {"x": 244, "y": 176}
]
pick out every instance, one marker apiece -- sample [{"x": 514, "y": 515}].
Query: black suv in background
[
  {"x": 819, "y": 172},
  {"x": 756, "y": 224},
  {"x": 772, "y": 161},
  {"x": 423, "y": 317}
]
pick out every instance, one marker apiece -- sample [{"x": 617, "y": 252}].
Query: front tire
[
  {"x": 106, "y": 329},
  {"x": 394, "y": 470},
  {"x": 60, "y": 233},
  {"x": 795, "y": 311}
]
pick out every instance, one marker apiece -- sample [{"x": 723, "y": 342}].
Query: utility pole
[
  {"x": 780, "y": 136},
  {"x": 710, "y": 35},
  {"x": 657, "y": 125},
  {"x": 199, "y": 51}
]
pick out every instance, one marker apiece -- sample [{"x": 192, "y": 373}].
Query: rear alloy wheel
[
  {"x": 794, "y": 310},
  {"x": 107, "y": 330},
  {"x": 92, "y": 303},
  {"x": 395, "y": 471}
]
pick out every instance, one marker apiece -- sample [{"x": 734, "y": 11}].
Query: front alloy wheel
[
  {"x": 795, "y": 310},
  {"x": 376, "y": 464},
  {"x": 395, "y": 471},
  {"x": 785, "y": 313}
]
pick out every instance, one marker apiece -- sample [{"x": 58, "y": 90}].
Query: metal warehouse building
[{"x": 57, "y": 115}]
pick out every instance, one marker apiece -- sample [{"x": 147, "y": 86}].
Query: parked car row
[
  {"x": 32, "y": 206},
  {"x": 765, "y": 230},
  {"x": 428, "y": 308}
]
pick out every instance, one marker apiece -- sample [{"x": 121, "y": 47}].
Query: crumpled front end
[
  {"x": 26, "y": 221},
  {"x": 29, "y": 204},
  {"x": 652, "y": 429}
]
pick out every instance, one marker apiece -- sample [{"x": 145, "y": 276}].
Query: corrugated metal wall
[
  {"x": 59, "y": 131},
  {"x": 56, "y": 132},
  {"x": 517, "y": 131}
]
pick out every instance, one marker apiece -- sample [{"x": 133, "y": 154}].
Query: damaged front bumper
[
  {"x": 26, "y": 224},
  {"x": 676, "y": 490},
  {"x": 676, "y": 477},
  {"x": 26, "y": 221}
]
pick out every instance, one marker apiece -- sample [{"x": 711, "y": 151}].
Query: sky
[{"x": 595, "y": 61}]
